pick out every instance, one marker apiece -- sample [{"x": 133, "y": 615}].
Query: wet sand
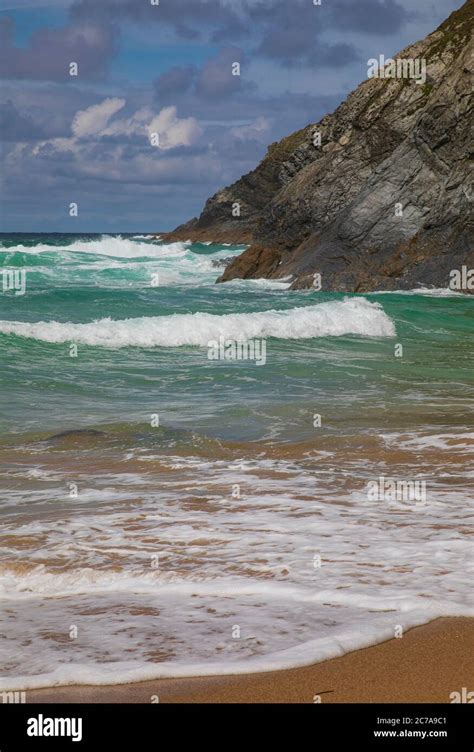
[{"x": 426, "y": 665}]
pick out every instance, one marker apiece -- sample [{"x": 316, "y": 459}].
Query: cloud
[
  {"x": 105, "y": 162},
  {"x": 20, "y": 4},
  {"x": 369, "y": 16},
  {"x": 293, "y": 37},
  {"x": 333, "y": 56},
  {"x": 283, "y": 31},
  {"x": 139, "y": 127},
  {"x": 175, "y": 81},
  {"x": 292, "y": 24},
  {"x": 94, "y": 119},
  {"x": 114, "y": 148},
  {"x": 128, "y": 128},
  {"x": 288, "y": 32},
  {"x": 15, "y": 126},
  {"x": 296, "y": 35},
  {"x": 173, "y": 131},
  {"x": 189, "y": 19},
  {"x": 51, "y": 51},
  {"x": 258, "y": 129},
  {"x": 217, "y": 79}
]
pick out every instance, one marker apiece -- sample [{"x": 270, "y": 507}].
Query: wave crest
[
  {"x": 333, "y": 319},
  {"x": 114, "y": 246}
]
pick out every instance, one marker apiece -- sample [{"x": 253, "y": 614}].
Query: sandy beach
[{"x": 426, "y": 665}]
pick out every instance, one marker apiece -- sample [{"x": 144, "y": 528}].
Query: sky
[{"x": 138, "y": 110}]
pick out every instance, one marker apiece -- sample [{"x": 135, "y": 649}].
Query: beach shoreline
[{"x": 427, "y": 665}]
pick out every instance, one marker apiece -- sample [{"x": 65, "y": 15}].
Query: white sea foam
[
  {"x": 341, "y": 621},
  {"x": 351, "y": 316},
  {"x": 175, "y": 263},
  {"x": 119, "y": 247},
  {"x": 37, "y": 582},
  {"x": 454, "y": 442},
  {"x": 436, "y": 292},
  {"x": 226, "y": 562},
  {"x": 260, "y": 283},
  {"x": 107, "y": 245},
  {"x": 316, "y": 650}
]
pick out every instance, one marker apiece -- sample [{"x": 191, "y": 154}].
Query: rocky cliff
[{"x": 377, "y": 195}]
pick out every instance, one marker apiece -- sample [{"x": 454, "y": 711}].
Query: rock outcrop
[{"x": 377, "y": 195}]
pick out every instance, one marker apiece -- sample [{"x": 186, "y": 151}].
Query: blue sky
[{"x": 167, "y": 69}]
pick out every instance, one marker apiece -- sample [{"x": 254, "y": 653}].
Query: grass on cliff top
[
  {"x": 281, "y": 150},
  {"x": 456, "y": 30}
]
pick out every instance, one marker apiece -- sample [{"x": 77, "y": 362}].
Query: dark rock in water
[
  {"x": 218, "y": 230},
  {"x": 258, "y": 261},
  {"x": 222, "y": 262},
  {"x": 383, "y": 201},
  {"x": 79, "y": 433}
]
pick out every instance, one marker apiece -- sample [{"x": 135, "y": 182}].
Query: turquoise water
[
  {"x": 246, "y": 502},
  {"x": 355, "y": 379}
]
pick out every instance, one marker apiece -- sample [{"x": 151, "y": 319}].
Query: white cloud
[
  {"x": 89, "y": 153},
  {"x": 257, "y": 129},
  {"x": 174, "y": 131},
  {"x": 92, "y": 121},
  {"x": 134, "y": 125}
]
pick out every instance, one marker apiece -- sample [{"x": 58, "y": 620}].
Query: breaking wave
[
  {"x": 333, "y": 319},
  {"x": 106, "y": 245}
]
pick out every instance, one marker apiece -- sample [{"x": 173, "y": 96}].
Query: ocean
[{"x": 169, "y": 512}]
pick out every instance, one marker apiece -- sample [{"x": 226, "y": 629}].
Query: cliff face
[
  {"x": 383, "y": 200},
  {"x": 253, "y": 192}
]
